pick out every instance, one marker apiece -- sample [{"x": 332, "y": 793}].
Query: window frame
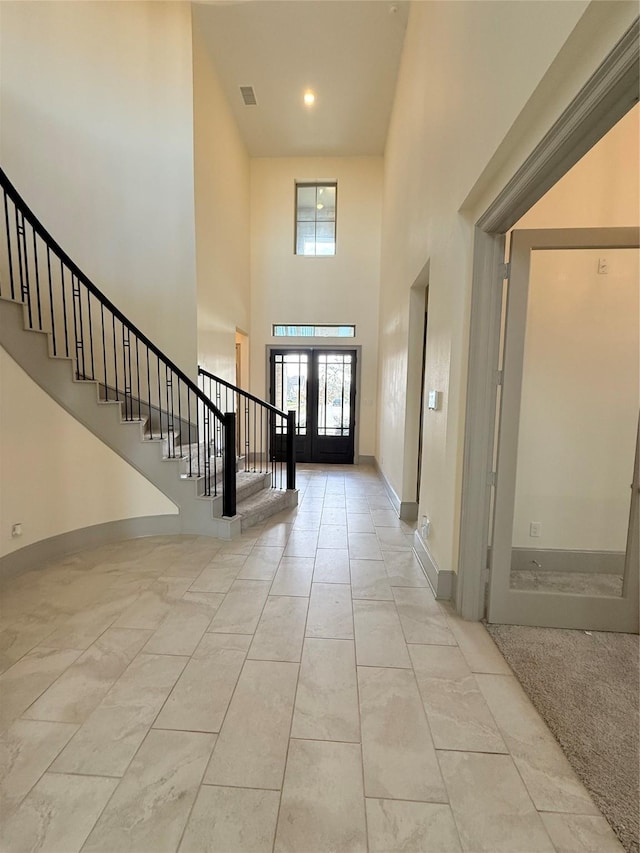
[
  {"x": 312, "y": 326},
  {"x": 317, "y": 185}
]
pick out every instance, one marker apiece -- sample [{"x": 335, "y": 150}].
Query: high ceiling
[{"x": 346, "y": 51}]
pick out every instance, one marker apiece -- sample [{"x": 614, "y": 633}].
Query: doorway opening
[{"x": 606, "y": 97}]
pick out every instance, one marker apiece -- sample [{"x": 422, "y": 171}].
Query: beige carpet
[{"x": 585, "y": 686}]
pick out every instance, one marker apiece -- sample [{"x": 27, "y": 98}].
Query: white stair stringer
[{"x": 198, "y": 514}]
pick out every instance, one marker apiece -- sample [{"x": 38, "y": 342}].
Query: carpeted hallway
[{"x": 585, "y": 686}]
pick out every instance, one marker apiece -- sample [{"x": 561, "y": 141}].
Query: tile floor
[{"x": 298, "y": 689}]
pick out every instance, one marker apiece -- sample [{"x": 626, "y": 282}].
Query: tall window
[{"x": 316, "y": 219}]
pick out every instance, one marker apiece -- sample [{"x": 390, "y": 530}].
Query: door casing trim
[{"x": 604, "y": 99}]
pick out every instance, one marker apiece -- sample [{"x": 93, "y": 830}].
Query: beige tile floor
[{"x": 298, "y": 689}]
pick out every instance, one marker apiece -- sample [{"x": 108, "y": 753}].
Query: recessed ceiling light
[{"x": 309, "y": 98}]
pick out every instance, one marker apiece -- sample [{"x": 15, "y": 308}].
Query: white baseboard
[{"x": 442, "y": 582}]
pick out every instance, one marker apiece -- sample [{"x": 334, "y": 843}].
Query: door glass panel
[
  {"x": 290, "y": 383},
  {"x": 334, "y": 393},
  {"x": 578, "y": 422}
]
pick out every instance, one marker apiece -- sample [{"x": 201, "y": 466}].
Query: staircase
[{"x": 227, "y": 465}]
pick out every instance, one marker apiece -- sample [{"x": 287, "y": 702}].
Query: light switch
[{"x": 434, "y": 400}]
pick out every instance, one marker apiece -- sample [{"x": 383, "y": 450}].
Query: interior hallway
[{"x": 298, "y": 689}]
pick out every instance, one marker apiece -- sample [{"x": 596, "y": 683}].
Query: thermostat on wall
[{"x": 434, "y": 400}]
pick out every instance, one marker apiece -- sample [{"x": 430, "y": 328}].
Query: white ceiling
[{"x": 346, "y": 51}]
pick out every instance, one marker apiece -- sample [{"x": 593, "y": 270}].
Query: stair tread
[{"x": 261, "y": 500}]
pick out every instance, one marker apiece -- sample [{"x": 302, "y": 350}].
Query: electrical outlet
[
  {"x": 603, "y": 266},
  {"x": 534, "y": 529},
  {"x": 425, "y": 527},
  {"x": 16, "y": 530}
]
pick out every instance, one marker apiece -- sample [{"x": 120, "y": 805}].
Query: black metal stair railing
[
  {"x": 265, "y": 435},
  {"x": 109, "y": 349}
]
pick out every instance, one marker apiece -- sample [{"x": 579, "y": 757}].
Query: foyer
[{"x": 296, "y": 689}]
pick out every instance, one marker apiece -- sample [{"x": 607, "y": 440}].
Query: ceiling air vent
[{"x": 248, "y": 96}]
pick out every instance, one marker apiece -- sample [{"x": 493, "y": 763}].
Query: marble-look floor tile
[
  {"x": 356, "y": 505},
  {"x": 275, "y": 535},
  {"x": 332, "y": 516},
  {"x": 240, "y": 611},
  {"x": 456, "y": 710},
  {"x": 490, "y": 804},
  {"x": 183, "y": 564},
  {"x": 581, "y": 833},
  {"x": 364, "y": 546},
  {"x": 19, "y": 637},
  {"x": 280, "y": 630},
  {"x": 241, "y": 546},
  {"x": 307, "y": 521},
  {"x": 27, "y": 679},
  {"x": 385, "y": 517},
  {"x": 421, "y": 618},
  {"x": 332, "y": 536},
  {"x": 311, "y": 503},
  {"x": 217, "y": 577},
  {"x": 479, "y": 650},
  {"x": 378, "y": 500},
  {"x": 334, "y": 500},
  {"x": 379, "y": 637},
  {"x": 394, "y": 539},
  {"x": 322, "y": 800},
  {"x": 213, "y": 600},
  {"x": 360, "y": 522},
  {"x": 105, "y": 744},
  {"x": 182, "y": 629},
  {"x": 369, "y": 580},
  {"x": 27, "y": 749},
  {"x": 399, "y": 759},
  {"x": 293, "y": 577},
  {"x": 331, "y": 566},
  {"x": 150, "y": 806},
  {"x": 261, "y": 563},
  {"x": 252, "y": 745},
  {"x": 58, "y": 814},
  {"x": 82, "y": 687},
  {"x": 201, "y": 696},
  {"x": 302, "y": 543},
  {"x": 152, "y": 605},
  {"x": 330, "y": 613},
  {"x": 404, "y": 569},
  {"x": 550, "y": 780},
  {"x": 408, "y": 827},
  {"x": 327, "y": 697},
  {"x": 232, "y": 819}
]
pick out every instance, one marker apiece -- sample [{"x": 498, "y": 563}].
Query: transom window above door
[{"x": 316, "y": 219}]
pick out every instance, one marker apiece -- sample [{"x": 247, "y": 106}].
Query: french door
[{"x": 320, "y": 386}]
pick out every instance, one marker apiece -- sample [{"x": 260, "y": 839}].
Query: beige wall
[
  {"x": 602, "y": 190},
  {"x": 468, "y": 110},
  {"x": 580, "y": 396},
  {"x": 55, "y": 476},
  {"x": 96, "y": 133},
  {"x": 222, "y": 217},
  {"x": 581, "y": 381},
  {"x": 289, "y": 288}
]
